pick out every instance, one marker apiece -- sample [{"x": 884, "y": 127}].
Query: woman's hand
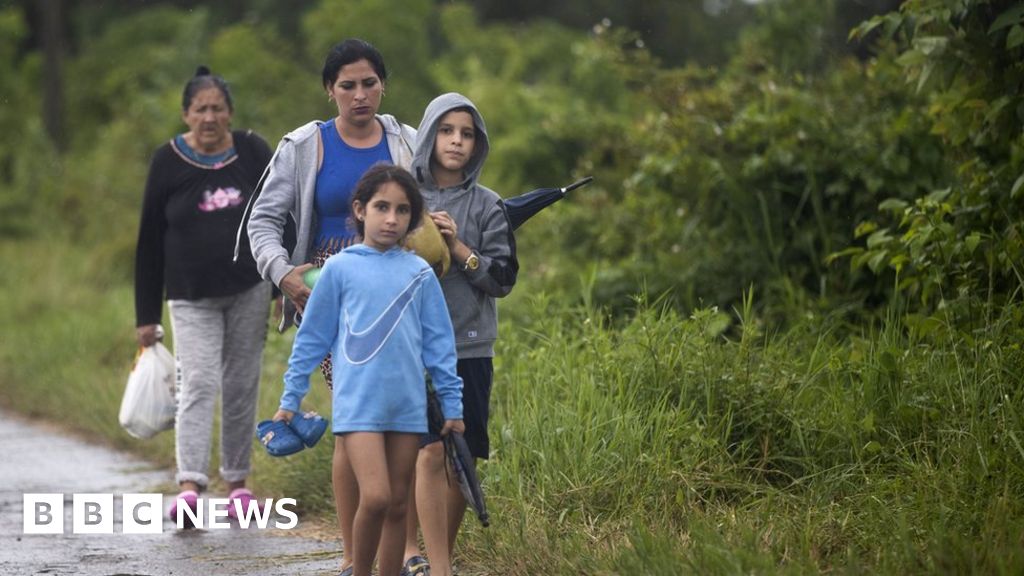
[
  {"x": 453, "y": 426},
  {"x": 148, "y": 335},
  {"x": 295, "y": 288},
  {"x": 283, "y": 414}
]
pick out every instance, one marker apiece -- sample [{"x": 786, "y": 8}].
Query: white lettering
[
  {"x": 261, "y": 515},
  {"x": 43, "y": 513},
  {"x": 141, "y": 513},
  {"x": 195, "y": 517},
  {"x": 218, "y": 511},
  {"x": 282, "y": 511},
  {"x": 92, "y": 514}
]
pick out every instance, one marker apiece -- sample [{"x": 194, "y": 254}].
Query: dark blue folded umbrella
[
  {"x": 463, "y": 463},
  {"x": 521, "y": 208},
  {"x": 459, "y": 458}
]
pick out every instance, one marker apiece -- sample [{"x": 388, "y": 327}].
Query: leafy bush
[
  {"x": 751, "y": 176},
  {"x": 963, "y": 238}
]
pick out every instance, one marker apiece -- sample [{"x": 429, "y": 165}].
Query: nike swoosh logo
[{"x": 361, "y": 347}]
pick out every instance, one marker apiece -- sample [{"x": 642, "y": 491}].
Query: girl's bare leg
[
  {"x": 401, "y": 452},
  {"x": 346, "y": 496},
  {"x": 366, "y": 454}
]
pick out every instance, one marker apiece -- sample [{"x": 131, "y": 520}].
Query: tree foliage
[
  {"x": 707, "y": 179},
  {"x": 964, "y": 237},
  {"x": 26, "y": 160},
  {"x": 752, "y": 174}
]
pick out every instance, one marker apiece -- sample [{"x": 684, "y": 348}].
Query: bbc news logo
[{"x": 143, "y": 514}]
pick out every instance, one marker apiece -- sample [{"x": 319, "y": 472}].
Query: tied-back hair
[
  {"x": 202, "y": 80},
  {"x": 379, "y": 174},
  {"x": 349, "y": 51}
]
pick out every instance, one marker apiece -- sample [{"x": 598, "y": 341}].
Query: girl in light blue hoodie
[{"x": 379, "y": 310}]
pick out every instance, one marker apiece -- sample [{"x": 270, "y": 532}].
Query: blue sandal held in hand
[
  {"x": 278, "y": 438},
  {"x": 310, "y": 426}
]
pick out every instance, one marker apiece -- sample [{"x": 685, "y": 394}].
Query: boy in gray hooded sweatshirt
[{"x": 451, "y": 148}]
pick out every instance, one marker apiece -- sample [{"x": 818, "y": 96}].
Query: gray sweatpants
[{"x": 218, "y": 345}]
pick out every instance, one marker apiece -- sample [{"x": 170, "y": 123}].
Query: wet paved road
[{"x": 37, "y": 459}]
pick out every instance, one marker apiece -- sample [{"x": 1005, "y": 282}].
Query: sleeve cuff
[
  {"x": 278, "y": 270},
  {"x": 290, "y": 402}
]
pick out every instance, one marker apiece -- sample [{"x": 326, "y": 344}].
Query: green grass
[{"x": 656, "y": 444}]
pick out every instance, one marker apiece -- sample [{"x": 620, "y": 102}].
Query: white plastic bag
[{"x": 148, "y": 404}]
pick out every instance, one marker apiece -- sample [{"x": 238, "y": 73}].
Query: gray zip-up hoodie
[
  {"x": 289, "y": 187},
  {"x": 482, "y": 224}
]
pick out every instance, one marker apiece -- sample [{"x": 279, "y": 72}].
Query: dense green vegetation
[{"x": 780, "y": 333}]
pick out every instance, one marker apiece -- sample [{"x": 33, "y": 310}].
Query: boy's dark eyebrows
[{"x": 450, "y": 126}]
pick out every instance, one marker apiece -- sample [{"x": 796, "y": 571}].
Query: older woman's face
[
  {"x": 209, "y": 120},
  {"x": 357, "y": 91}
]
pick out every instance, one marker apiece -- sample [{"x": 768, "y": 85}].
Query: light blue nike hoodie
[{"x": 382, "y": 316}]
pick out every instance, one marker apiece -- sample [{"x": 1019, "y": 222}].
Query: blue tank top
[{"x": 342, "y": 167}]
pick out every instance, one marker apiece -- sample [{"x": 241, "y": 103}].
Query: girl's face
[
  {"x": 209, "y": 120},
  {"x": 357, "y": 92},
  {"x": 385, "y": 217}
]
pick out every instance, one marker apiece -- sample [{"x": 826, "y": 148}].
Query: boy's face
[{"x": 456, "y": 138}]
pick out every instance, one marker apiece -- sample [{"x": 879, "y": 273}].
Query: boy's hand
[
  {"x": 283, "y": 414},
  {"x": 449, "y": 231},
  {"x": 446, "y": 226},
  {"x": 453, "y": 426}
]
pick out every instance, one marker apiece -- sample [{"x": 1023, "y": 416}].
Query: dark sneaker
[{"x": 416, "y": 566}]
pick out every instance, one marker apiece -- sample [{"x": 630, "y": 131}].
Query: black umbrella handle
[{"x": 577, "y": 184}]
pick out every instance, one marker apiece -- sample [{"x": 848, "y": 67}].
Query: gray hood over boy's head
[{"x": 427, "y": 133}]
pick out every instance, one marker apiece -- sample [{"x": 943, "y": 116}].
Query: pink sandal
[
  {"x": 189, "y": 498},
  {"x": 245, "y": 499}
]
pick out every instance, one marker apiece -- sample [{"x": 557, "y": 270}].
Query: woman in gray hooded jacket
[
  {"x": 310, "y": 179},
  {"x": 312, "y": 174}
]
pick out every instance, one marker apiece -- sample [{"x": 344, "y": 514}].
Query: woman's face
[
  {"x": 357, "y": 91},
  {"x": 209, "y": 120}
]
